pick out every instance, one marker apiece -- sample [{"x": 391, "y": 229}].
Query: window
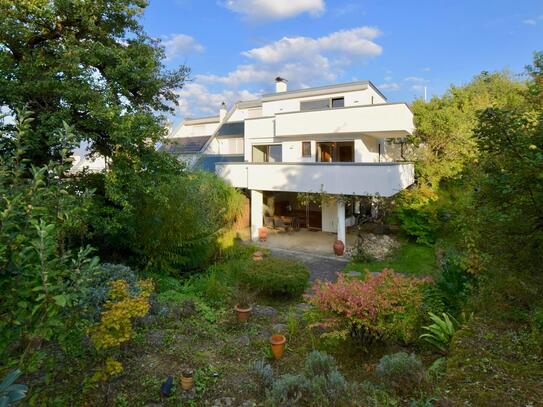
[
  {"x": 335, "y": 152},
  {"x": 306, "y": 148},
  {"x": 271, "y": 153},
  {"x": 315, "y": 104},
  {"x": 338, "y": 102},
  {"x": 321, "y": 104}
]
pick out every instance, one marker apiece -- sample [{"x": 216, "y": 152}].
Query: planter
[
  {"x": 339, "y": 248},
  {"x": 187, "y": 381},
  {"x": 243, "y": 313},
  {"x": 258, "y": 256},
  {"x": 277, "y": 343},
  {"x": 262, "y": 234}
]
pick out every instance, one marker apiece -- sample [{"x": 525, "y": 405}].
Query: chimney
[
  {"x": 280, "y": 84},
  {"x": 222, "y": 112}
]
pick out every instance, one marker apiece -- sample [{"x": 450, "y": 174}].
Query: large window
[
  {"x": 321, "y": 104},
  {"x": 269, "y": 153},
  {"x": 306, "y": 148},
  {"x": 335, "y": 152}
]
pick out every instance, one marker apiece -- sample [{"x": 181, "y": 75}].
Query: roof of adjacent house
[
  {"x": 231, "y": 129},
  {"x": 185, "y": 145},
  {"x": 207, "y": 162}
]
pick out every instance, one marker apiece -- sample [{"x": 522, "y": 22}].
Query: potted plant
[
  {"x": 278, "y": 343},
  {"x": 339, "y": 248},
  {"x": 243, "y": 298},
  {"x": 187, "y": 379},
  {"x": 262, "y": 234}
]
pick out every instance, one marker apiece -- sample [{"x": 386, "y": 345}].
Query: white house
[{"x": 341, "y": 139}]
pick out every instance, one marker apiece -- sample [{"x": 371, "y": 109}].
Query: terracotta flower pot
[
  {"x": 277, "y": 343},
  {"x": 243, "y": 313},
  {"x": 187, "y": 381},
  {"x": 262, "y": 234},
  {"x": 339, "y": 248},
  {"x": 258, "y": 256}
]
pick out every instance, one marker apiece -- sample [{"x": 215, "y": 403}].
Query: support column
[
  {"x": 256, "y": 213},
  {"x": 341, "y": 221}
]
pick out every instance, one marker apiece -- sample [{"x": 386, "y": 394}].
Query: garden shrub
[
  {"x": 418, "y": 223},
  {"x": 403, "y": 372},
  {"x": 455, "y": 284},
  {"x": 376, "y": 395},
  {"x": 321, "y": 384},
  {"x": 189, "y": 303},
  {"x": 263, "y": 374},
  {"x": 325, "y": 382},
  {"x": 383, "y": 306},
  {"x": 288, "y": 390},
  {"x": 275, "y": 277}
]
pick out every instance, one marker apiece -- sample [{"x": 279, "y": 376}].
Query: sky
[{"x": 235, "y": 48}]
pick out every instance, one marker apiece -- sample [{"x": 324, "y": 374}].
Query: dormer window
[
  {"x": 338, "y": 102},
  {"x": 321, "y": 104}
]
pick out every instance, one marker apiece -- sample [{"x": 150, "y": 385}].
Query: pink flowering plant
[{"x": 384, "y": 306}]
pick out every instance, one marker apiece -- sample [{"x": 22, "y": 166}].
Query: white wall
[
  {"x": 230, "y": 145},
  {"x": 329, "y": 216},
  {"x": 334, "y": 178},
  {"x": 352, "y": 98},
  {"x": 197, "y": 130}
]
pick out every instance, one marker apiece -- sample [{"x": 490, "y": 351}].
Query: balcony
[
  {"x": 384, "y": 179},
  {"x": 382, "y": 120}
]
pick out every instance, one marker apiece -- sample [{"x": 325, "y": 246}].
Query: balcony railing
[
  {"x": 382, "y": 120},
  {"x": 384, "y": 179}
]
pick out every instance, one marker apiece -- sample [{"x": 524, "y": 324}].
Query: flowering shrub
[
  {"x": 115, "y": 326},
  {"x": 383, "y": 306}
]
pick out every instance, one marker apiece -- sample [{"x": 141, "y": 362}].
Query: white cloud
[
  {"x": 390, "y": 86},
  {"x": 414, "y": 79},
  {"x": 275, "y": 9},
  {"x": 180, "y": 44},
  {"x": 303, "y": 60},
  {"x": 529, "y": 21},
  {"x": 196, "y": 99},
  {"x": 418, "y": 88},
  {"x": 427, "y": 69}
]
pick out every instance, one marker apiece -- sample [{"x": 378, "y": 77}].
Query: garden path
[{"x": 321, "y": 267}]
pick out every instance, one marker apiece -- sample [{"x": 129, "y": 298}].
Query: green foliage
[
  {"x": 263, "y": 374},
  {"x": 455, "y": 284},
  {"x": 87, "y": 63},
  {"x": 440, "y": 333},
  {"x": 10, "y": 392},
  {"x": 376, "y": 395},
  {"x": 41, "y": 275},
  {"x": 403, "y": 372},
  {"x": 411, "y": 258},
  {"x": 418, "y": 224},
  {"x": 275, "y": 277},
  {"x": 321, "y": 384}
]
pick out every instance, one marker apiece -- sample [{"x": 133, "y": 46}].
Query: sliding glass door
[
  {"x": 329, "y": 152},
  {"x": 269, "y": 153}
]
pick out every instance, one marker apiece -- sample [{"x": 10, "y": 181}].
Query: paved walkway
[{"x": 321, "y": 267}]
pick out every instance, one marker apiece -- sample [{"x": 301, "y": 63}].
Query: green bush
[
  {"x": 321, "y": 384},
  {"x": 263, "y": 374},
  {"x": 275, "y": 277},
  {"x": 402, "y": 372},
  {"x": 455, "y": 284},
  {"x": 418, "y": 224}
]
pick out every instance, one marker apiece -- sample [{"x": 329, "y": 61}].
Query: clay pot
[
  {"x": 243, "y": 313},
  {"x": 277, "y": 343},
  {"x": 262, "y": 234},
  {"x": 187, "y": 381},
  {"x": 258, "y": 256},
  {"x": 339, "y": 248}
]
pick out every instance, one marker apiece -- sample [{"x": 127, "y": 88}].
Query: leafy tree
[
  {"x": 40, "y": 277},
  {"x": 87, "y": 63}
]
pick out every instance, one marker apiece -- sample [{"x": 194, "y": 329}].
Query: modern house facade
[{"x": 342, "y": 140}]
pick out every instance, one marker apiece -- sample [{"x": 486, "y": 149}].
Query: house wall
[
  {"x": 329, "y": 216},
  {"x": 230, "y": 145},
  {"x": 196, "y": 130}
]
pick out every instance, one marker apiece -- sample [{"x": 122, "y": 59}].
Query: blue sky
[{"x": 236, "y": 47}]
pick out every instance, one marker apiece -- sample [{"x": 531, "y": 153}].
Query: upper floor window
[
  {"x": 338, "y": 102},
  {"x": 320, "y": 104},
  {"x": 306, "y": 148},
  {"x": 270, "y": 153}
]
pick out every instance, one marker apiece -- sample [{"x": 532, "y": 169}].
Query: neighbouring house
[{"x": 343, "y": 140}]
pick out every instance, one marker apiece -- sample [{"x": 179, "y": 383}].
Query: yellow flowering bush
[{"x": 115, "y": 326}]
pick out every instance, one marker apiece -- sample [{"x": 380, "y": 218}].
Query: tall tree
[{"x": 90, "y": 64}]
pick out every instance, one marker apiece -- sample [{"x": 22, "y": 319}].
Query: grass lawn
[{"x": 411, "y": 258}]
